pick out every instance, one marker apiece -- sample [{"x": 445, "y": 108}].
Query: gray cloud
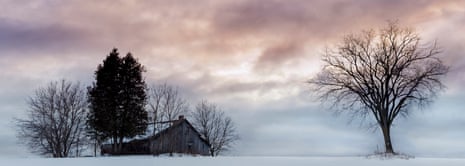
[
  {"x": 27, "y": 39},
  {"x": 277, "y": 57}
]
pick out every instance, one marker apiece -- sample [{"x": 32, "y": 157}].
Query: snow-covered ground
[{"x": 228, "y": 161}]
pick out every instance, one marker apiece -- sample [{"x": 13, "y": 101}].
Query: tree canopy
[
  {"x": 384, "y": 73},
  {"x": 55, "y": 120},
  {"x": 117, "y": 99}
]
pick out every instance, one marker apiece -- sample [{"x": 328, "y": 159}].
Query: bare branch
[
  {"x": 215, "y": 126},
  {"x": 165, "y": 104},
  {"x": 385, "y": 74},
  {"x": 55, "y": 120}
]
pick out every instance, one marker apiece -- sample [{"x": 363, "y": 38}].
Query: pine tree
[
  {"x": 117, "y": 100},
  {"x": 133, "y": 97},
  {"x": 103, "y": 97}
]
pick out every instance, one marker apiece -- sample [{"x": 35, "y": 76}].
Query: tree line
[{"x": 64, "y": 117}]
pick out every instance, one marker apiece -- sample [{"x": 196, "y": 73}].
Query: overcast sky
[{"x": 252, "y": 57}]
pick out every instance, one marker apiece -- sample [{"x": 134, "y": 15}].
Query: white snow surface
[{"x": 228, "y": 161}]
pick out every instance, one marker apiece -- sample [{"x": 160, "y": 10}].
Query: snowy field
[{"x": 228, "y": 161}]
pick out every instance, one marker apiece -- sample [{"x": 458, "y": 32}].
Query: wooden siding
[{"x": 181, "y": 138}]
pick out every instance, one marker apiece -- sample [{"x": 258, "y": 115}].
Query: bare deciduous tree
[
  {"x": 215, "y": 126},
  {"x": 165, "y": 104},
  {"x": 55, "y": 123},
  {"x": 383, "y": 73}
]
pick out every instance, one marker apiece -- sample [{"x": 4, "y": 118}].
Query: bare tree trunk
[
  {"x": 212, "y": 152},
  {"x": 114, "y": 145},
  {"x": 95, "y": 148},
  {"x": 77, "y": 147},
  {"x": 120, "y": 145},
  {"x": 387, "y": 139}
]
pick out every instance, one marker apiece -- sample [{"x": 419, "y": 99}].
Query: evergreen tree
[
  {"x": 117, "y": 100},
  {"x": 133, "y": 97}
]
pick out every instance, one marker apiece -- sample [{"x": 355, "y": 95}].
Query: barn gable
[{"x": 181, "y": 137}]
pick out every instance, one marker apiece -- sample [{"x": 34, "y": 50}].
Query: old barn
[{"x": 180, "y": 137}]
